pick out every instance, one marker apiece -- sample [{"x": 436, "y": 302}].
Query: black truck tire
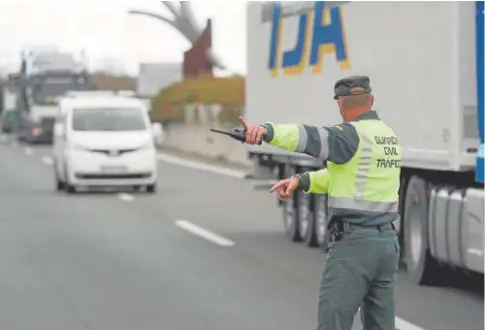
[
  {"x": 422, "y": 268},
  {"x": 306, "y": 219},
  {"x": 290, "y": 218},
  {"x": 320, "y": 214}
]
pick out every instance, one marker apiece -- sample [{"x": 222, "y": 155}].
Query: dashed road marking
[
  {"x": 47, "y": 160},
  {"x": 201, "y": 166},
  {"x": 204, "y": 233},
  {"x": 29, "y": 151},
  {"x": 405, "y": 325},
  {"x": 125, "y": 197}
]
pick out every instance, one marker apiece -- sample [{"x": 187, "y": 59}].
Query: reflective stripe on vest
[
  {"x": 363, "y": 167},
  {"x": 362, "y": 205}
]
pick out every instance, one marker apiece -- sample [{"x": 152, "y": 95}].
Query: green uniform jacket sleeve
[
  {"x": 315, "y": 182},
  {"x": 337, "y": 144}
]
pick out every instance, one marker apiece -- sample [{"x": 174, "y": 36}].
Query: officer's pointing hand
[
  {"x": 254, "y": 133},
  {"x": 286, "y": 187}
]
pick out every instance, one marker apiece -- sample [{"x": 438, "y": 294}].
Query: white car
[{"x": 104, "y": 141}]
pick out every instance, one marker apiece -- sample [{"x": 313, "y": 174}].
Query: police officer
[{"x": 362, "y": 182}]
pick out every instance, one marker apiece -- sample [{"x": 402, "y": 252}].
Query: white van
[{"x": 104, "y": 141}]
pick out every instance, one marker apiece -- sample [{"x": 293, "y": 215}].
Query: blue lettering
[{"x": 320, "y": 33}]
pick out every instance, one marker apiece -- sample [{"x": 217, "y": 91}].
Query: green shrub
[{"x": 229, "y": 92}]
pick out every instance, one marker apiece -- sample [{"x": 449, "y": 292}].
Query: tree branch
[
  {"x": 172, "y": 8},
  {"x": 153, "y": 15}
]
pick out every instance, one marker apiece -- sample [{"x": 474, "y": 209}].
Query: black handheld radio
[{"x": 236, "y": 133}]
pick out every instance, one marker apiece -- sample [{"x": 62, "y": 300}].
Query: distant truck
[
  {"x": 426, "y": 65},
  {"x": 44, "y": 76}
]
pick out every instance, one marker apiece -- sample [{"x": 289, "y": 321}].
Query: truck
[
  {"x": 45, "y": 75},
  {"x": 426, "y": 65}
]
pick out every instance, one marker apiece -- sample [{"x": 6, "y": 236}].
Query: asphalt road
[{"x": 115, "y": 261}]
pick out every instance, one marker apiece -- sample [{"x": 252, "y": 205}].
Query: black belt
[
  {"x": 345, "y": 226},
  {"x": 338, "y": 228}
]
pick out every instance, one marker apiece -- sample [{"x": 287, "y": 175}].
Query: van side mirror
[{"x": 158, "y": 133}]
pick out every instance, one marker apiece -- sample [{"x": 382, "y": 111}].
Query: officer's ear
[
  {"x": 371, "y": 100},
  {"x": 340, "y": 107}
]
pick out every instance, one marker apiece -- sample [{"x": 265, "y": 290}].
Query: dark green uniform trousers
[{"x": 360, "y": 271}]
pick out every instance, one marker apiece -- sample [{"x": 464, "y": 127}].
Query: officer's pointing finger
[
  {"x": 243, "y": 122},
  {"x": 277, "y": 186}
]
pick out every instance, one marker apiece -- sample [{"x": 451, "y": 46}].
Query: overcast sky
[{"x": 107, "y": 33}]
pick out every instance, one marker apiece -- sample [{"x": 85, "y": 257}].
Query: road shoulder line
[{"x": 201, "y": 166}]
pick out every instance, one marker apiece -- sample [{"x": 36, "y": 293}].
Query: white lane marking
[
  {"x": 204, "y": 233},
  {"x": 126, "y": 197},
  {"x": 405, "y": 325},
  {"x": 28, "y": 151},
  {"x": 201, "y": 166},
  {"x": 475, "y": 252},
  {"x": 47, "y": 160}
]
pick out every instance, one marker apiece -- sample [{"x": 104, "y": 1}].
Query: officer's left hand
[{"x": 286, "y": 187}]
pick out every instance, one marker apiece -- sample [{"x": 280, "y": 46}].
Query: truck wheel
[
  {"x": 306, "y": 226},
  {"x": 422, "y": 268},
  {"x": 290, "y": 218},
  {"x": 321, "y": 221}
]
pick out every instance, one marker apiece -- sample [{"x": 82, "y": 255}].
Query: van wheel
[
  {"x": 70, "y": 189},
  {"x": 422, "y": 268},
  {"x": 290, "y": 218},
  {"x": 60, "y": 185},
  {"x": 320, "y": 214},
  {"x": 306, "y": 227},
  {"x": 151, "y": 188}
]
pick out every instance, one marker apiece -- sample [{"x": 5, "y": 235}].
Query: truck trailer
[{"x": 426, "y": 65}]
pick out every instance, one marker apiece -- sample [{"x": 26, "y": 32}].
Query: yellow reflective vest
[{"x": 364, "y": 189}]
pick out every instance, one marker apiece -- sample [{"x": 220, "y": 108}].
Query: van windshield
[{"x": 108, "y": 119}]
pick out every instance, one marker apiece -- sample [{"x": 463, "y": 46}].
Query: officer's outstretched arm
[
  {"x": 337, "y": 144},
  {"x": 315, "y": 182}
]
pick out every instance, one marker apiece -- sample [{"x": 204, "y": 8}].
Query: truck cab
[{"x": 44, "y": 77}]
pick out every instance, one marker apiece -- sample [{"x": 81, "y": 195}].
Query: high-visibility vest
[{"x": 369, "y": 182}]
